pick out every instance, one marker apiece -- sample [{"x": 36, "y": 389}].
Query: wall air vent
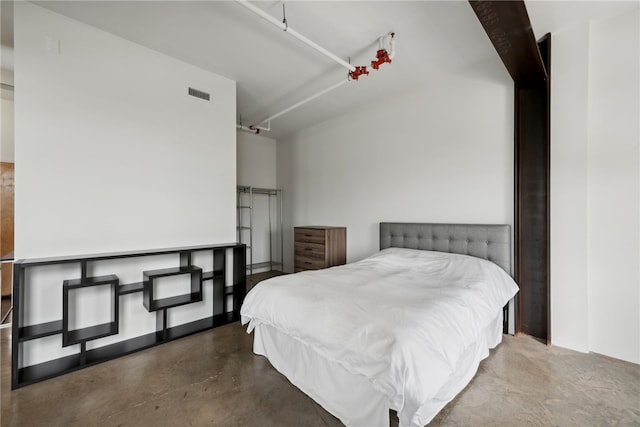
[{"x": 199, "y": 94}]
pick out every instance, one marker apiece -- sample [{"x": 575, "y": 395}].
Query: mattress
[{"x": 403, "y": 329}]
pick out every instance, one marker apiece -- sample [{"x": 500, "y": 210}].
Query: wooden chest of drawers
[{"x": 319, "y": 247}]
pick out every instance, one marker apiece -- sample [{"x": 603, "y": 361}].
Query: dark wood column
[
  {"x": 532, "y": 223},
  {"x": 509, "y": 29}
]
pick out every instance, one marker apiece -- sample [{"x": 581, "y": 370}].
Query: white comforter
[{"x": 403, "y": 318}]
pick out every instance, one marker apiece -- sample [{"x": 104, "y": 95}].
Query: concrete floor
[{"x": 213, "y": 379}]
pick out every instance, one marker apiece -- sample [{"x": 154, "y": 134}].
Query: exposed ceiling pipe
[
  {"x": 268, "y": 128},
  {"x": 382, "y": 55},
  {"x": 387, "y": 55},
  {"x": 285, "y": 27},
  {"x": 392, "y": 45},
  {"x": 254, "y": 128},
  {"x": 304, "y": 101},
  {"x": 251, "y": 129}
]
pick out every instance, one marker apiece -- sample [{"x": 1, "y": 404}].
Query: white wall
[
  {"x": 442, "y": 153},
  {"x": 614, "y": 187},
  {"x": 569, "y": 133},
  {"x": 256, "y": 160},
  {"x": 595, "y": 252},
  {"x": 112, "y": 153}
]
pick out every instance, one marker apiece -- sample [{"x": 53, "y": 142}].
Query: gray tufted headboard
[{"x": 491, "y": 242}]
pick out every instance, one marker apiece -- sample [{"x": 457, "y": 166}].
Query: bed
[{"x": 404, "y": 329}]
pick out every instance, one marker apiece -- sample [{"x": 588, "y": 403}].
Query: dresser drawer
[
  {"x": 309, "y": 263},
  {"x": 309, "y": 235},
  {"x": 308, "y": 249}
]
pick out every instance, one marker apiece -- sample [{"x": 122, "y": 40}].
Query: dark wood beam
[{"x": 509, "y": 29}]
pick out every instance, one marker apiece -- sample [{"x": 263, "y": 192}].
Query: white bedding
[{"x": 402, "y": 318}]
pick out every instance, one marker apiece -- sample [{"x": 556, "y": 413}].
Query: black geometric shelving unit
[{"x": 228, "y": 293}]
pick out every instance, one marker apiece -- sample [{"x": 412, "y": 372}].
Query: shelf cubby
[
  {"x": 53, "y": 368},
  {"x": 151, "y": 276},
  {"x": 76, "y": 336},
  {"x": 81, "y": 335},
  {"x": 40, "y": 330},
  {"x": 111, "y": 351}
]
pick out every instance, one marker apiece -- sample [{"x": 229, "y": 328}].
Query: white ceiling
[
  {"x": 273, "y": 70},
  {"x": 552, "y": 16}
]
